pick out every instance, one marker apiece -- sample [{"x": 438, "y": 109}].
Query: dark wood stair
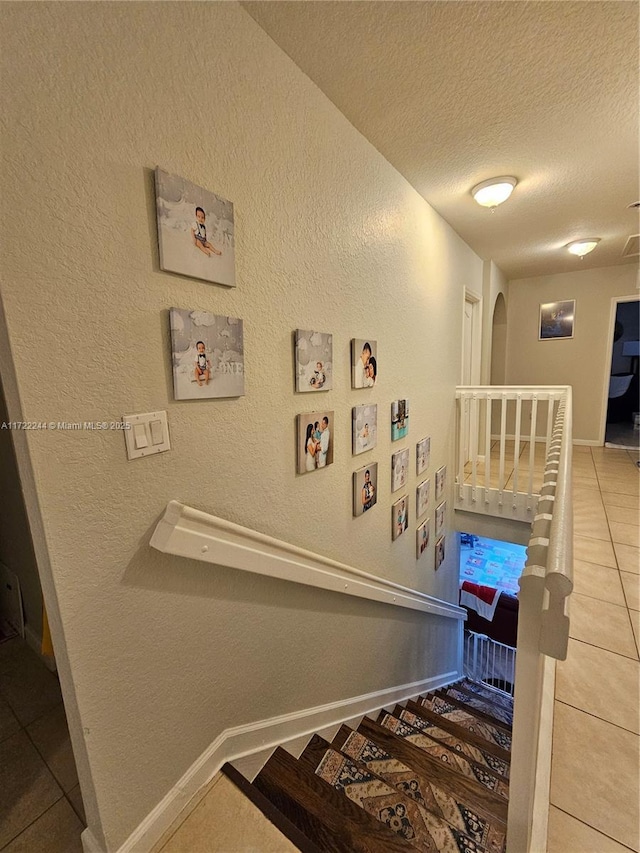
[{"x": 431, "y": 776}]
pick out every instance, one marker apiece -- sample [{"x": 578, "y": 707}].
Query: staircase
[{"x": 431, "y": 776}]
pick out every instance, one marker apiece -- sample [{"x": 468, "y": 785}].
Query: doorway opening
[{"x": 622, "y": 420}]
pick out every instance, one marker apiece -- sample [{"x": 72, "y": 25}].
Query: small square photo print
[
  {"x": 399, "y": 419},
  {"x": 441, "y": 481},
  {"x": 365, "y": 488},
  {"x": 441, "y": 511},
  {"x": 314, "y": 361},
  {"x": 422, "y": 539},
  {"x": 365, "y": 428},
  {"x": 195, "y": 230},
  {"x": 207, "y": 353},
  {"x": 423, "y": 455},
  {"x": 399, "y": 469},
  {"x": 439, "y": 552},
  {"x": 422, "y": 497},
  {"x": 364, "y": 363},
  {"x": 315, "y": 441},
  {"x": 399, "y": 517}
]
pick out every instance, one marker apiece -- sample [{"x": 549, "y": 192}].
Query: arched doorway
[{"x": 499, "y": 342}]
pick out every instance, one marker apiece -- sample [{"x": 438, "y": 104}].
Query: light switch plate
[{"x": 157, "y": 441}]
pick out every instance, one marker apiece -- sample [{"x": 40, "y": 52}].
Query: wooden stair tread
[
  {"x": 481, "y": 703},
  {"x": 477, "y": 712},
  {"x": 473, "y": 688},
  {"x": 323, "y": 814},
  {"x": 465, "y": 717}
]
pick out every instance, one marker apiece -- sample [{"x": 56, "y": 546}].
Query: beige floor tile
[
  {"x": 26, "y": 684},
  {"x": 257, "y": 834},
  {"x": 579, "y": 479},
  {"x": 599, "y": 582},
  {"x": 590, "y": 522},
  {"x": 625, "y": 534},
  {"x": 631, "y": 585},
  {"x": 28, "y": 788},
  {"x": 594, "y": 551},
  {"x": 57, "y": 831},
  {"x": 628, "y": 558},
  {"x": 617, "y": 499},
  {"x": 601, "y": 624},
  {"x": 75, "y": 798},
  {"x": 623, "y": 485},
  {"x": 579, "y": 449},
  {"x": 568, "y": 835},
  {"x": 594, "y": 773},
  {"x": 623, "y": 514},
  {"x": 50, "y": 736},
  {"x": 634, "y": 615},
  {"x": 617, "y": 678},
  {"x": 9, "y": 724}
]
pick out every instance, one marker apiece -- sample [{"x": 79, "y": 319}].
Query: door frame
[
  {"x": 475, "y": 300},
  {"x": 615, "y": 301}
]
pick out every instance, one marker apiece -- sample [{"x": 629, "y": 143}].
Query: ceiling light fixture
[
  {"x": 583, "y": 247},
  {"x": 493, "y": 192}
]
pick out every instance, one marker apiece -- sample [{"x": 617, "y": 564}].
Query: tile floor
[{"x": 40, "y": 802}]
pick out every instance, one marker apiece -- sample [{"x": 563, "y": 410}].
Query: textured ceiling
[{"x": 453, "y": 93}]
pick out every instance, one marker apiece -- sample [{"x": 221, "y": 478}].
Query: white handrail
[{"x": 188, "y": 532}]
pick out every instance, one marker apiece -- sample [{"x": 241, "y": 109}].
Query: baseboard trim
[
  {"x": 587, "y": 442},
  {"x": 241, "y": 741},
  {"x": 35, "y": 643},
  {"x": 89, "y": 842}
]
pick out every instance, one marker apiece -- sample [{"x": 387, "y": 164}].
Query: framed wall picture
[
  {"x": 195, "y": 230},
  {"x": 399, "y": 469},
  {"x": 364, "y": 363},
  {"x": 313, "y": 361},
  {"x": 399, "y": 517},
  {"x": 207, "y": 352},
  {"x": 441, "y": 511},
  {"x": 423, "y": 455},
  {"x": 399, "y": 419},
  {"x": 439, "y": 552},
  {"x": 557, "y": 320},
  {"x": 365, "y": 428},
  {"x": 365, "y": 488},
  {"x": 422, "y": 497},
  {"x": 315, "y": 441},
  {"x": 422, "y": 538},
  {"x": 441, "y": 481}
]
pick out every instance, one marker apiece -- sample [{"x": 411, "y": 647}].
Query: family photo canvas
[
  {"x": 365, "y": 428},
  {"x": 315, "y": 441},
  {"x": 365, "y": 489},
  {"x": 195, "y": 230},
  {"x": 557, "y": 319},
  {"x": 440, "y": 516},
  {"x": 399, "y": 517},
  {"x": 399, "y": 469},
  {"x": 422, "y": 497},
  {"x": 364, "y": 363},
  {"x": 422, "y": 539},
  {"x": 207, "y": 352},
  {"x": 313, "y": 361},
  {"x": 399, "y": 419},
  {"x": 439, "y": 552},
  {"x": 441, "y": 481},
  {"x": 423, "y": 455}
]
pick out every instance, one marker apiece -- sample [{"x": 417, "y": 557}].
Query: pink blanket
[{"x": 482, "y": 599}]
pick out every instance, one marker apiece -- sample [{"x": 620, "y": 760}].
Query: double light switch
[{"x": 146, "y": 434}]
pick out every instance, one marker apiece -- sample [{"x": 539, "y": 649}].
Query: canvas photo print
[
  {"x": 364, "y": 363},
  {"x": 399, "y": 517},
  {"x": 399, "y": 419},
  {"x": 315, "y": 441},
  {"x": 365, "y": 489},
  {"x": 313, "y": 361},
  {"x": 441, "y": 511},
  {"x": 365, "y": 428},
  {"x": 423, "y": 455},
  {"x": 422, "y": 497},
  {"x": 422, "y": 539},
  {"x": 439, "y": 552},
  {"x": 441, "y": 481},
  {"x": 195, "y": 230},
  {"x": 207, "y": 352},
  {"x": 556, "y": 319},
  {"x": 399, "y": 469}
]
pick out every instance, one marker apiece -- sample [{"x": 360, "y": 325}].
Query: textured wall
[
  {"x": 164, "y": 653},
  {"x": 582, "y": 361}
]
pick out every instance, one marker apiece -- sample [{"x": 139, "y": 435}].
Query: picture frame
[
  {"x": 315, "y": 441},
  {"x": 364, "y": 428},
  {"x": 399, "y": 469},
  {"x": 313, "y": 360},
  {"x": 440, "y": 552},
  {"x": 207, "y": 355},
  {"x": 557, "y": 320},
  {"x": 195, "y": 230},
  {"x": 422, "y": 538},
  {"x": 365, "y": 489},
  {"x": 364, "y": 362},
  {"x": 423, "y": 455},
  {"x": 399, "y": 419},
  {"x": 399, "y": 517},
  {"x": 441, "y": 482},
  {"x": 441, "y": 512},
  {"x": 422, "y": 497}
]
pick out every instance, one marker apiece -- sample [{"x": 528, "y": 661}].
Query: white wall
[
  {"x": 158, "y": 655},
  {"x": 582, "y": 361},
  {"x": 494, "y": 284}
]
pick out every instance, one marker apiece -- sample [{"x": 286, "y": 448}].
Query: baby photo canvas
[
  {"x": 365, "y": 488},
  {"x": 423, "y": 455},
  {"x": 440, "y": 516},
  {"x": 365, "y": 428},
  {"x": 364, "y": 363},
  {"x": 441, "y": 481},
  {"x": 439, "y": 552},
  {"x": 422, "y": 539},
  {"x": 422, "y": 497},
  {"x": 315, "y": 441},
  {"x": 313, "y": 361},
  {"x": 399, "y": 517},
  {"x": 399, "y": 419},
  {"x": 399, "y": 469}
]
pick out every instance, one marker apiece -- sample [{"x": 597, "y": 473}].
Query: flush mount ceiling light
[
  {"x": 493, "y": 192},
  {"x": 583, "y": 247}
]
